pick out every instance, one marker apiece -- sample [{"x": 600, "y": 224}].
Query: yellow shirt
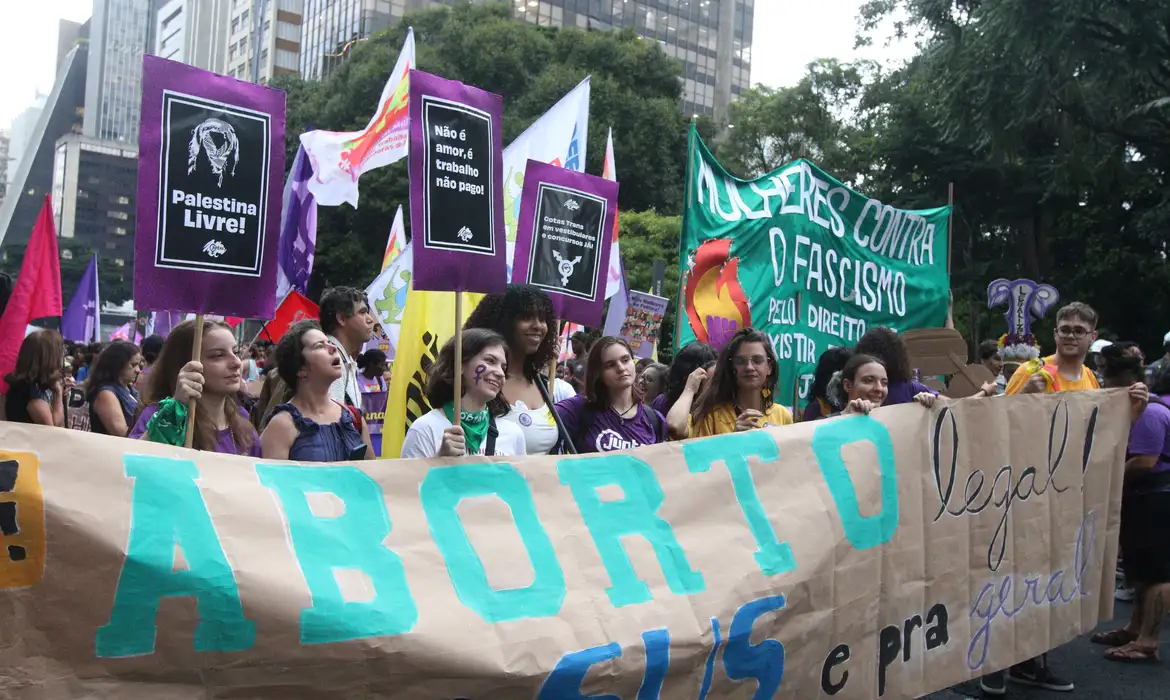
[
  {"x": 722, "y": 420},
  {"x": 1087, "y": 381}
]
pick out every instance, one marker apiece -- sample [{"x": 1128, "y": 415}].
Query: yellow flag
[{"x": 427, "y": 323}]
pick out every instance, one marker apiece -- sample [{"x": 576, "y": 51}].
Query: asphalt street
[{"x": 1095, "y": 678}]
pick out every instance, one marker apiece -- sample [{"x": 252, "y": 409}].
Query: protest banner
[
  {"x": 339, "y": 158},
  {"x": 643, "y": 321},
  {"x": 748, "y": 247},
  {"x": 211, "y": 159},
  {"x": 849, "y": 558},
  {"x": 387, "y": 293},
  {"x": 564, "y": 239}
]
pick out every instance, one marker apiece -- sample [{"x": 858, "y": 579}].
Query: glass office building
[{"x": 118, "y": 37}]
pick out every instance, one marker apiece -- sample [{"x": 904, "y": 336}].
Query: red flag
[
  {"x": 37, "y": 293},
  {"x": 295, "y": 307}
]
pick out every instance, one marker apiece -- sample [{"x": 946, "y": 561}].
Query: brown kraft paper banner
[{"x": 856, "y": 557}]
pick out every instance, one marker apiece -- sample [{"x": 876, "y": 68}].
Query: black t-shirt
[{"x": 16, "y": 401}]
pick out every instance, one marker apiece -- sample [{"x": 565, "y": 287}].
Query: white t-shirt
[
  {"x": 537, "y": 424},
  {"x": 425, "y": 437},
  {"x": 345, "y": 389}
]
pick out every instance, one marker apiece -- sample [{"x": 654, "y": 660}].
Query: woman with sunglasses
[
  {"x": 478, "y": 432},
  {"x": 739, "y": 393},
  {"x": 610, "y": 416}
]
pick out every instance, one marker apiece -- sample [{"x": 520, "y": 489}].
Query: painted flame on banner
[{"x": 716, "y": 304}]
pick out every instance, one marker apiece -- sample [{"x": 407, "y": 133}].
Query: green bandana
[{"x": 475, "y": 426}]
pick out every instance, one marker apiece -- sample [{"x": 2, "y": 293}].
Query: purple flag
[
  {"x": 563, "y": 238},
  {"x": 211, "y": 152},
  {"x": 81, "y": 322},
  {"x": 161, "y": 322},
  {"x": 298, "y": 229},
  {"x": 456, "y": 187}
]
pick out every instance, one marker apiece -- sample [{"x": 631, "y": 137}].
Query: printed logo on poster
[
  {"x": 565, "y": 253},
  {"x": 215, "y": 161},
  {"x": 458, "y": 178}
]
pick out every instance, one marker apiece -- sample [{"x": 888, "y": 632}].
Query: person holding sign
[
  {"x": 484, "y": 371},
  {"x": 739, "y": 395},
  {"x": 610, "y": 417},
  {"x": 312, "y": 426},
  {"x": 889, "y": 348},
  {"x": 213, "y": 381},
  {"x": 524, "y": 316},
  {"x": 864, "y": 386}
]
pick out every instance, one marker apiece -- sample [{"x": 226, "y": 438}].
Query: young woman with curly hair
[
  {"x": 524, "y": 316},
  {"x": 885, "y": 345},
  {"x": 738, "y": 395}
]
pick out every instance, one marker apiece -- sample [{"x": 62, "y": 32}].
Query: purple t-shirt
[
  {"x": 225, "y": 444},
  {"x": 659, "y": 403},
  {"x": 904, "y": 392},
  {"x": 609, "y": 432},
  {"x": 1150, "y": 435}
]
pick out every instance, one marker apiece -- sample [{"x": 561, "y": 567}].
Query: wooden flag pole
[
  {"x": 457, "y": 413},
  {"x": 950, "y": 222},
  {"x": 196, "y": 353}
]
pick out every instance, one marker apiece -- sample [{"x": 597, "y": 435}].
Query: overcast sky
[{"x": 788, "y": 34}]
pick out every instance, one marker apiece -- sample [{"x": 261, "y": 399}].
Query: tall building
[
  {"x": 21, "y": 134},
  {"x": 332, "y": 27},
  {"x": 94, "y": 186},
  {"x": 4, "y": 141},
  {"x": 118, "y": 35},
  {"x": 194, "y": 32},
  {"x": 264, "y": 38}
]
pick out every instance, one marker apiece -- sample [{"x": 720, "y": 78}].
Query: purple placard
[
  {"x": 210, "y": 166},
  {"x": 456, "y": 186},
  {"x": 563, "y": 238}
]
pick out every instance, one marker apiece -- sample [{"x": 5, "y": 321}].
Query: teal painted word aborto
[
  {"x": 353, "y": 541},
  {"x": 441, "y": 492},
  {"x": 828, "y": 441},
  {"x": 167, "y": 509},
  {"x": 733, "y": 450},
  {"x": 636, "y": 514}
]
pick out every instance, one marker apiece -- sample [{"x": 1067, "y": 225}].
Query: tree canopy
[{"x": 1050, "y": 119}]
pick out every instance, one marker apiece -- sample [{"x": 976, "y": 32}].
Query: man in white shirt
[{"x": 348, "y": 323}]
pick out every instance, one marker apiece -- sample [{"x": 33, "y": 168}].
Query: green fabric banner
[{"x": 800, "y": 256}]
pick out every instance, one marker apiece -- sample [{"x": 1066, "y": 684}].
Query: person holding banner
[
  {"x": 524, "y": 316},
  {"x": 313, "y": 426},
  {"x": 864, "y": 386},
  {"x": 889, "y": 348},
  {"x": 610, "y": 416},
  {"x": 484, "y": 373},
  {"x": 214, "y": 381},
  {"x": 110, "y": 389},
  {"x": 36, "y": 386},
  {"x": 739, "y": 395}
]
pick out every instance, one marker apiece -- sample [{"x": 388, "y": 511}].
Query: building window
[
  {"x": 67, "y": 254},
  {"x": 119, "y": 262},
  {"x": 120, "y": 230},
  {"x": 122, "y": 200},
  {"x": 118, "y": 215},
  {"x": 110, "y": 245}
]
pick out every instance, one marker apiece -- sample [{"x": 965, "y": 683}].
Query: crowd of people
[{"x": 300, "y": 398}]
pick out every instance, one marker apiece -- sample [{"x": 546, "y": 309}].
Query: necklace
[{"x": 622, "y": 414}]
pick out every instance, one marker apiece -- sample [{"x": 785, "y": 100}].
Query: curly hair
[
  {"x": 440, "y": 389},
  {"x": 884, "y": 344},
  {"x": 290, "y": 357},
  {"x": 723, "y": 388},
  {"x": 689, "y": 359},
  {"x": 1122, "y": 366},
  {"x": 521, "y": 302},
  {"x": 339, "y": 300}
]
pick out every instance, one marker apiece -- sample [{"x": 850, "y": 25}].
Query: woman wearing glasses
[{"x": 739, "y": 395}]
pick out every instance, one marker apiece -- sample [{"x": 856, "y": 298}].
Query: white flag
[
  {"x": 340, "y": 158},
  {"x": 387, "y": 293}
]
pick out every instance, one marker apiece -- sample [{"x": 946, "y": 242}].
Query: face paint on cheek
[{"x": 479, "y": 373}]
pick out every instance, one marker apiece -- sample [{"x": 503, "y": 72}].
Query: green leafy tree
[{"x": 645, "y": 237}]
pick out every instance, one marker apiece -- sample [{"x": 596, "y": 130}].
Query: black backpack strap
[
  {"x": 658, "y": 423},
  {"x": 492, "y": 434}
]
